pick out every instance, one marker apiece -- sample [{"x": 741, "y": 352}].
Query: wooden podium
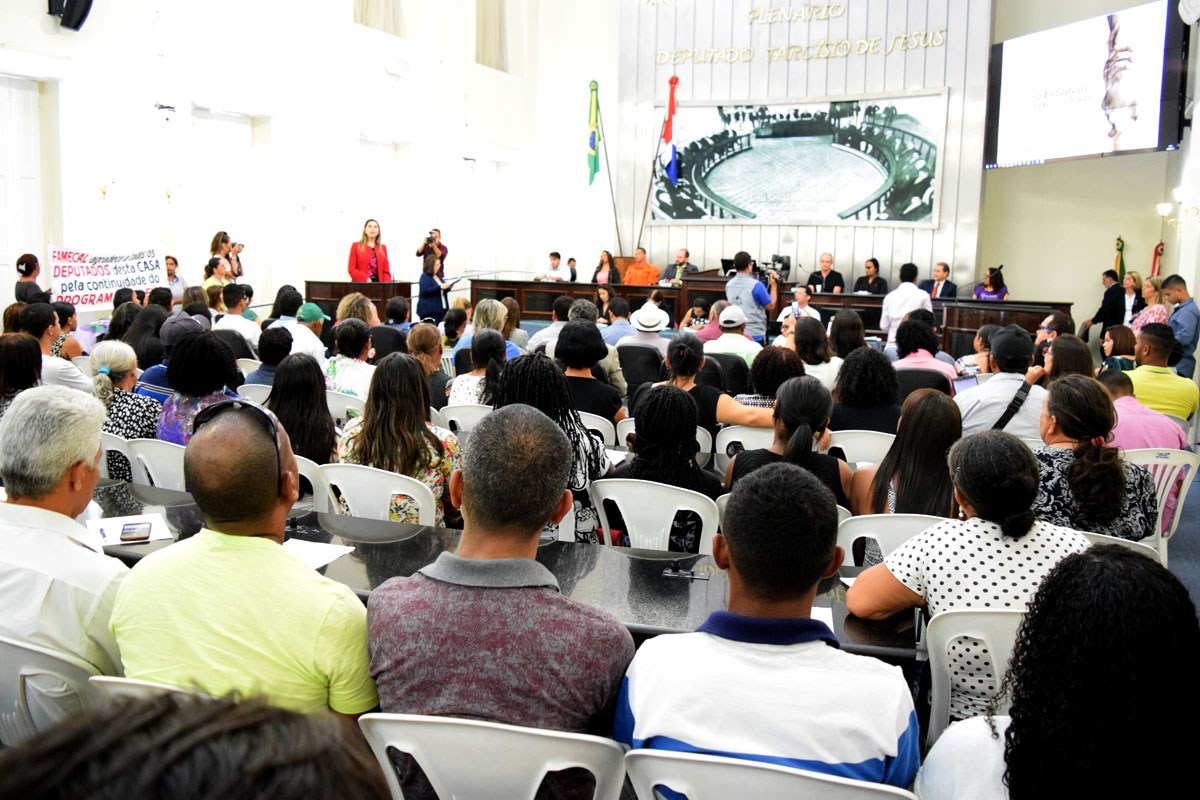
[{"x": 327, "y": 294}]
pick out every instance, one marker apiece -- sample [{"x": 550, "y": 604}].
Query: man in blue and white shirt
[{"x": 763, "y": 681}]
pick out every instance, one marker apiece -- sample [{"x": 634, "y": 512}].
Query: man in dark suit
[
  {"x": 1112, "y": 306},
  {"x": 940, "y": 286}
]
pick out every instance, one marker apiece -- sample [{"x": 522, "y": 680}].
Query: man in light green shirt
[
  {"x": 229, "y": 609},
  {"x": 733, "y": 339}
]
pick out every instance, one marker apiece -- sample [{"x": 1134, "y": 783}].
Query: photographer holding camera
[
  {"x": 748, "y": 293},
  {"x": 433, "y": 244}
]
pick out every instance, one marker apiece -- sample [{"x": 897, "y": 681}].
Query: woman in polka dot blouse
[{"x": 994, "y": 556}]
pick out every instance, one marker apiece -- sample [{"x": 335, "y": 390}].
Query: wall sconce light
[{"x": 1164, "y": 209}]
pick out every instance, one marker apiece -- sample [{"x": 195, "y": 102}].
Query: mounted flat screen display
[{"x": 1105, "y": 85}]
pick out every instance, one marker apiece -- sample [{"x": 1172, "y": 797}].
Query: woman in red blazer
[{"x": 368, "y": 258}]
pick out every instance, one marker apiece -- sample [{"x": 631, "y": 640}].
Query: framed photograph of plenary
[{"x": 870, "y": 160}]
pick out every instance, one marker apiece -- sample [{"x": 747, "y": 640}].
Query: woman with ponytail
[
  {"x": 1084, "y": 483},
  {"x": 130, "y": 416},
  {"x": 993, "y": 556},
  {"x": 802, "y": 407},
  {"x": 479, "y": 385}
]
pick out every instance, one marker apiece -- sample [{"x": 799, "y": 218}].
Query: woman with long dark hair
[
  {"x": 846, "y": 333},
  {"x": 913, "y": 477},
  {"x": 802, "y": 407},
  {"x": 813, "y": 348},
  {"x": 394, "y": 433},
  {"x": 122, "y": 320},
  {"x": 536, "y": 380},
  {"x": 1084, "y": 483},
  {"x": 369, "y": 256},
  {"x": 993, "y": 287},
  {"x": 1066, "y": 355},
  {"x": 868, "y": 394},
  {"x": 297, "y": 398},
  {"x": 993, "y": 557},
  {"x": 277, "y": 306},
  {"x": 487, "y": 358},
  {"x": 142, "y": 336},
  {"x": 604, "y": 296},
  {"x": 20, "y": 366},
  {"x": 1104, "y": 628},
  {"x": 606, "y": 270}
]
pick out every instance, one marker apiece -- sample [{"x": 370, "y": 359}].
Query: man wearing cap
[
  {"x": 306, "y": 331},
  {"x": 648, "y": 321},
  {"x": 984, "y": 406},
  {"x": 731, "y": 341},
  {"x": 799, "y": 306},
  {"x": 153, "y": 382},
  {"x": 747, "y": 293}
]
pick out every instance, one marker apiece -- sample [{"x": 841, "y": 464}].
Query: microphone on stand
[{"x": 998, "y": 271}]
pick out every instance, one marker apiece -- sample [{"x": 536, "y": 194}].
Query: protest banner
[{"x": 88, "y": 280}]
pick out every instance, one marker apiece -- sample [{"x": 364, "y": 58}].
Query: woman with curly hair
[
  {"x": 200, "y": 371},
  {"x": 1084, "y": 483},
  {"x": 394, "y": 434},
  {"x": 994, "y": 556},
  {"x": 772, "y": 366},
  {"x": 535, "y": 380},
  {"x": 1077, "y": 697},
  {"x": 867, "y": 392}
]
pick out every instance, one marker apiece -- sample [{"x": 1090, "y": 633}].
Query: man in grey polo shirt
[
  {"x": 982, "y": 406},
  {"x": 745, "y": 291},
  {"x": 485, "y": 633}
]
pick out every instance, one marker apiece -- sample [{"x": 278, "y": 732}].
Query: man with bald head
[
  {"x": 228, "y": 609},
  {"x": 826, "y": 279}
]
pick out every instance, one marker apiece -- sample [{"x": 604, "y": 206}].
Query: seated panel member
[
  {"x": 641, "y": 272},
  {"x": 228, "y": 609},
  {"x": 940, "y": 285},
  {"x": 763, "y": 681},
  {"x": 871, "y": 282}
]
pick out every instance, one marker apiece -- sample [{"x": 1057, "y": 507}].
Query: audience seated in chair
[
  {"x": 153, "y": 382},
  {"x": 983, "y": 406},
  {"x": 647, "y": 322},
  {"x": 273, "y": 347},
  {"x": 490, "y": 315},
  {"x": 20, "y": 366},
  {"x": 58, "y": 588},
  {"x": 496, "y": 661},
  {"x": 813, "y": 347},
  {"x": 236, "y": 302},
  {"x": 229, "y": 610},
  {"x": 916, "y": 344},
  {"x": 584, "y": 310},
  {"x": 560, "y": 313},
  {"x": 1105, "y": 629},
  {"x": 578, "y": 349},
  {"x": 425, "y": 344},
  {"x": 1138, "y": 426},
  {"x": 478, "y": 387},
  {"x": 143, "y": 336},
  {"x": 1154, "y": 383},
  {"x": 787, "y": 695},
  {"x": 40, "y": 321},
  {"x": 867, "y": 391},
  {"x": 189, "y": 748},
  {"x": 348, "y": 372},
  {"x": 993, "y": 558},
  {"x": 304, "y": 321},
  {"x": 772, "y": 366},
  {"x": 732, "y": 340},
  {"x": 200, "y": 370},
  {"x": 619, "y": 327},
  {"x": 128, "y": 415},
  {"x": 298, "y": 401}
]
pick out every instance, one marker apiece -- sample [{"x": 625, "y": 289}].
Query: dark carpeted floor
[{"x": 1184, "y": 550}]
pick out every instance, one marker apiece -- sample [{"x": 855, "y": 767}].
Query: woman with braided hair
[
  {"x": 535, "y": 380},
  {"x": 1084, "y": 483},
  {"x": 993, "y": 556}
]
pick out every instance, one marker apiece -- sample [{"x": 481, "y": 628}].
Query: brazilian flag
[{"x": 593, "y": 133}]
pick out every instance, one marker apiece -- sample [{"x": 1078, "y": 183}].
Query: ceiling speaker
[{"x": 72, "y": 13}]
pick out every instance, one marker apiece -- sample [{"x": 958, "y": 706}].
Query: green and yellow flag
[
  {"x": 593, "y": 133},
  {"x": 1119, "y": 266}
]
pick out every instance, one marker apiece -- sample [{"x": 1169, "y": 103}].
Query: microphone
[{"x": 998, "y": 271}]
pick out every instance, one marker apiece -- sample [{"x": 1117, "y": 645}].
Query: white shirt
[
  {"x": 562, "y": 271},
  {"x": 1128, "y": 310},
  {"x": 466, "y": 390},
  {"x": 826, "y": 373},
  {"x": 983, "y": 405},
  {"x": 648, "y": 339},
  {"x": 303, "y": 339},
  {"x": 899, "y": 302},
  {"x": 966, "y": 762},
  {"x": 243, "y": 327},
  {"x": 56, "y": 588},
  {"x": 791, "y": 308},
  {"x": 349, "y": 376},
  {"x": 61, "y": 372}
]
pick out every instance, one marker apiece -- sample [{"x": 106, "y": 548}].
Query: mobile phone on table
[{"x": 135, "y": 531}]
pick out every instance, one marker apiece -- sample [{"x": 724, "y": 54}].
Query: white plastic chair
[
  {"x": 84, "y": 363},
  {"x": 1183, "y": 424},
  {"x": 114, "y": 688},
  {"x": 1031, "y": 443},
  {"x": 341, "y": 404},
  {"x": 1167, "y": 468},
  {"x": 722, "y": 504},
  {"x": 649, "y": 508},
  {"x": 566, "y": 527},
  {"x": 704, "y": 777},
  {"x": 843, "y": 514},
  {"x": 312, "y": 470},
  {"x": 595, "y": 422},
  {"x": 161, "y": 462},
  {"x": 997, "y": 628},
  {"x": 703, "y": 438},
  {"x": 470, "y": 758},
  {"x": 888, "y": 530},
  {"x": 255, "y": 392},
  {"x": 1137, "y": 547},
  {"x": 862, "y": 447},
  {"x": 750, "y": 438},
  {"x": 248, "y": 365},
  {"x": 110, "y": 442},
  {"x": 368, "y": 491},
  {"x": 31, "y": 696},
  {"x": 435, "y": 418},
  {"x": 463, "y": 417}
]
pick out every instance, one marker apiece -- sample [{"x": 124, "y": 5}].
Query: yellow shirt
[
  {"x": 238, "y": 613},
  {"x": 1161, "y": 389}
]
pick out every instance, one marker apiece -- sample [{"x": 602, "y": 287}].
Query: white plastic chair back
[
  {"x": 595, "y": 422},
  {"x": 862, "y": 447},
  {"x": 341, "y": 404},
  {"x": 703, "y": 438},
  {"x": 161, "y": 461},
  {"x": 447, "y": 364},
  {"x": 1183, "y": 424},
  {"x": 464, "y": 417},
  {"x": 1032, "y": 443},
  {"x": 566, "y": 528},
  {"x": 704, "y": 777},
  {"x": 114, "y": 688},
  {"x": 722, "y": 504},
  {"x": 469, "y": 758},
  {"x": 435, "y": 418},
  {"x": 888, "y": 530},
  {"x": 997, "y": 628},
  {"x": 31, "y": 689},
  {"x": 248, "y": 365},
  {"x": 843, "y": 514},
  {"x": 112, "y": 442},
  {"x": 751, "y": 439},
  {"x": 84, "y": 363},
  {"x": 312, "y": 470},
  {"x": 368, "y": 491},
  {"x": 1137, "y": 547},
  {"x": 1167, "y": 467},
  {"x": 649, "y": 509},
  {"x": 624, "y": 428},
  {"x": 255, "y": 392}
]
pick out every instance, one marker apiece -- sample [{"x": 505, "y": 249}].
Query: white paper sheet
[
  {"x": 848, "y": 580},
  {"x": 316, "y": 554}
]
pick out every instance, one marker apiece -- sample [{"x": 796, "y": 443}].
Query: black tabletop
[{"x": 650, "y": 592}]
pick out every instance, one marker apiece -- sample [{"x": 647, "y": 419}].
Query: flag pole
[
  {"x": 608, "y": 172},
  {"x": 650, "y": 185}
]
